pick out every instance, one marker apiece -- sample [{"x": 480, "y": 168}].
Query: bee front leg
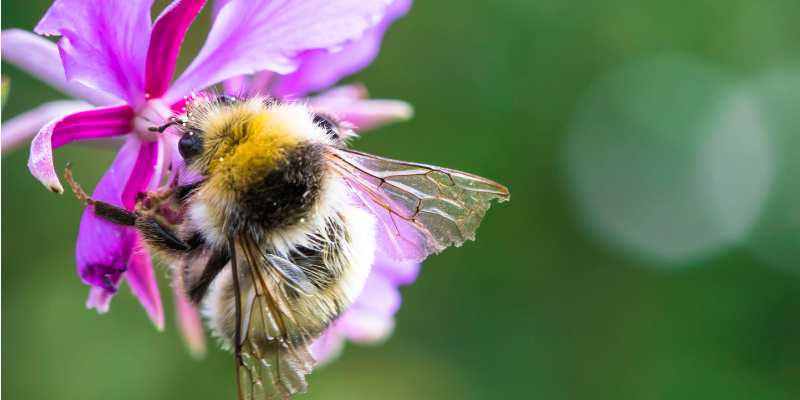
[
  {"x": 159, "y": 236},
  {"x": 107, "y": 211},
  {"x": 153, "y": 232}
]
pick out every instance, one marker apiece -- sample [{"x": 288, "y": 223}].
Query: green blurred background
[{"x": 650, "y": 249}]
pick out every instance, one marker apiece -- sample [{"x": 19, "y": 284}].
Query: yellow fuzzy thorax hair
[{"x": 243, "y": 142}]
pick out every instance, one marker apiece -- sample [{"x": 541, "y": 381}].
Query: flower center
[{"x": 153, "y": 113}]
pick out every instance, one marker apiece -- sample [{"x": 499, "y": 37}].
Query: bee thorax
[{"x": 270, "y": 199}]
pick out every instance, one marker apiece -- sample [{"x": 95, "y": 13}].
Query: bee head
[
  {"x": 190, "y": 145},
  {"x": 253, "y": 133}
]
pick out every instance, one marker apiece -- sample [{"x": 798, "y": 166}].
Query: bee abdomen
[
  {"x": 313, "y": 264},
  {"x": 322, "y": 264},
  {"x": 337, "y": 268}
]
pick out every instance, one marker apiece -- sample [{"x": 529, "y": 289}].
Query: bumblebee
[{"x": 276, "y": 236}]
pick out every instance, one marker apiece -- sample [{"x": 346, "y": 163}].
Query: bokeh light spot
[
  {"x": 776, "y": 237},
  {"x": 653, "y": 160},
  {"x": 737, "y": 163}
]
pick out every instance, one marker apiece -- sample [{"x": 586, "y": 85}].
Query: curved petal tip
[
  {"x": 99, "y": 299},
  {"x": 190, "y": 323},
  {"x": 96, "y": 123},
  {"x": 40, "y": 161}
]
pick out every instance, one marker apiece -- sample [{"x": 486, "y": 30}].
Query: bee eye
[
  {"x": 326, "y": 123},
  {"x": 190, "y": 145}
]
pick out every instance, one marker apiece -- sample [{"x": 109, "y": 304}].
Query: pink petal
[
  {"x": 99, "y": 299},
  {"x": 370, "y": 318},
  {"x": 340, "y": 96},
  {"x": 250, "y": 36},
  {"x": 103, "y": 249},
  {"x": 189, "y": 321},
  {"x": 237, "y": 85},
  {"x": 320, "y": 69},
  {"x": 379, "y": 296},
  {"x": 104, "y": 43},
  {"x": 364, "y": 326},
  {"x": 39, "y": 57},
  {"x": 400, "y": 272},
  {"x": 146, "y": 166},
  {"x": 216, "y": 6},
  {"x": 349, "y": 105},
  {"x": 20, "y": 129},
  {"x": 93, "y": 124},
  {"x": 371, "y": 114},
  {"x": 106, "y": 251},
  {"x": 260, "y": 82},
  {"x": 165, "y": 44},
  {"x": 243, "y": 85},
  {"x": 328, "y": 346},
  {"x": 142, "y": 281}
]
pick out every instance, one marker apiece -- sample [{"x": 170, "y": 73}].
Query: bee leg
[
  {"x": 159, "y": 236},
  {"x": 153, "y": 231},
  {"x": 75, "y": 186},
  {"x": 107, "y": 211},
  {"x": 237, "y": 300},
  {"x": 197, "y": 290},
  {"x": 183, "y": 192},
  {"x": 112, "y": 213}
]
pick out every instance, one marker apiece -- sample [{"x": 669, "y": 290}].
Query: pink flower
[
  {"x": 121, "y": 66},
  {"x": 114, "y": 57}
]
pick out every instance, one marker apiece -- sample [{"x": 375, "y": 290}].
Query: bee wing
[
  {"x": 292, "y": 274},
  {"x": 421, "y": 209},
  {"x": 272, "y": 350}
]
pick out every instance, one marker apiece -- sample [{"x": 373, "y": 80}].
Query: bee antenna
[{"x": 162, "y": 128}]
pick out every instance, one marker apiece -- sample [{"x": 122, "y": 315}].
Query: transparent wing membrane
[
  {"x": 421, "y": 209},
  {"x": 272, "y": 355}
]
